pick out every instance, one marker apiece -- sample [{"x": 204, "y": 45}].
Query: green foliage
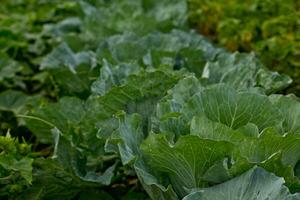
[
  {"x": 118, "y": 100},
  {"x": 204, "y": 136},
  {"x": 15, "y": 166},
  {"x": 270, "y": 28},
  {"x": 255, "y": 184}
]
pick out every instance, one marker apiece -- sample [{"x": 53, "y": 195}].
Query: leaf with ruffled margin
[
  {"x": 68, "y": 173},
  {"x": 254, "y": 184},
  {"x": 169, "y": 116},
  {"x": 289, "y": 107},
  {"x": 191, "y": 51},
  {"x": 160, "y": 161},
  {"x": 113, "y": 75},
  {"x": 81, "y": 120},
  {"x": 259, "y": 126},
  {"x": 64, "y": 115},
  {"x": 71, "y": 159},
  {"x": 274, "y": 152},
  {"x": 243, "y": 70},
  {"x": 126, "y": 141},
  {"x": 162, "y": 167},
  {"x": 73, "y": 72},
  {"x": 187, "y": 163},
  {"x": 220, "y": 103},
  {"x": 127, "y": 138},
  {"x": 224, "y": 104}
]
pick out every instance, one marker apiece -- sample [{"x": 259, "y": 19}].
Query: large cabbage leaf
[{"x": 254, "y": 184}]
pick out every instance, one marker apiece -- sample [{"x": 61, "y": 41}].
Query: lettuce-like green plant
[
  {"x": 202, "y": 136},
  {"x": 128, "y": 94}
]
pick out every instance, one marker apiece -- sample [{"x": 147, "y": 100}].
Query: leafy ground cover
[
  {"x": 270, "y": 28},
  {"x": 120, "y": 100}
]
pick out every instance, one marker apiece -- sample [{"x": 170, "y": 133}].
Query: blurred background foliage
[{"x": 271, "y": 28}]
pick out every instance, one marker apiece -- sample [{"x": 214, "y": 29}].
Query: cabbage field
[{"x": 148, "y": 99}]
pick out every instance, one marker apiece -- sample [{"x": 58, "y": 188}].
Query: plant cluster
[
  {"x": 270, "y": 28},
  {"x": 120, "y": 100}
]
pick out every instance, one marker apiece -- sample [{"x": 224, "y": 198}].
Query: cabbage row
[{"x": 120, "y": 100}]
